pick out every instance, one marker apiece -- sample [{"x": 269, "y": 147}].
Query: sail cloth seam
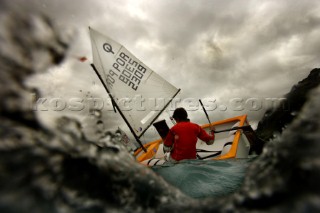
[
  {"x": 119, "y": 49},
  {"x": 148, "y": 77}
]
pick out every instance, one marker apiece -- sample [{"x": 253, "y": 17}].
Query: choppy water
[{"x": 200, "y": 179}]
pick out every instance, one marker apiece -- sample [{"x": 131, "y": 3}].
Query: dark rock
[
  {"x": 58, "y": 170},
  {"x": 276, "y": 119}
]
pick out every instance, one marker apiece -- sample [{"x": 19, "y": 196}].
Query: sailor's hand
[
  {"x": 210, "y": 142},
  {"x": 212, "y": 130}
]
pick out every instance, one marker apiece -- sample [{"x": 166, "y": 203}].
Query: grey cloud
[{"x": 220, "y": 49}]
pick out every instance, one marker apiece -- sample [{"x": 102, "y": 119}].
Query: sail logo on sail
[
  {"x": 127, "y": 70},
  {"x": 108, "y": 48}
]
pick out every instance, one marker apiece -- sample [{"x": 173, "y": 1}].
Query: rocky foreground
[
  {"x": 277, "y": 118},
  {"x": 58, "y": 170}
]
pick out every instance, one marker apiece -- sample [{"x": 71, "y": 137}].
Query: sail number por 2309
[{"x": 127, "y": 70}]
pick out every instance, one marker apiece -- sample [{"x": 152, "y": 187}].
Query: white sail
[{"x": 135, "y": 88}]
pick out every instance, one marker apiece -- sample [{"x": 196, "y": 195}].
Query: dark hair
[{"x": 180, "y": 113}]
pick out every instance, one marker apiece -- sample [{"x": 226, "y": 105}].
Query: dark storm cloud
[{"x": 217, "y": 49}]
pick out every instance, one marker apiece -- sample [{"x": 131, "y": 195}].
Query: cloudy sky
[{"x": 222, "y": 50}]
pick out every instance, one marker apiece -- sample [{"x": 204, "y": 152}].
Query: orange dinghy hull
[{"x": 230, "y": 142}]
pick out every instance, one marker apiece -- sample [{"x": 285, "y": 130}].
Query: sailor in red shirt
[{"x": 182, "y": 137}]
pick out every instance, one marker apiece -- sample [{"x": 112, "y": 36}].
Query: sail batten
[{"x": 129, "y": 80}]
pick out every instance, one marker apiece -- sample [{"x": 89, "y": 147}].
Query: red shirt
[{"x": 183, "y": 136}]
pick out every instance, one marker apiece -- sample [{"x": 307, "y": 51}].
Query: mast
[
  {"x": 117, "y": 107},
  {"x": 160, "y": 112}
]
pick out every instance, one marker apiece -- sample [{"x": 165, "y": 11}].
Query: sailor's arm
[{"x": 209, "y": 139}]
